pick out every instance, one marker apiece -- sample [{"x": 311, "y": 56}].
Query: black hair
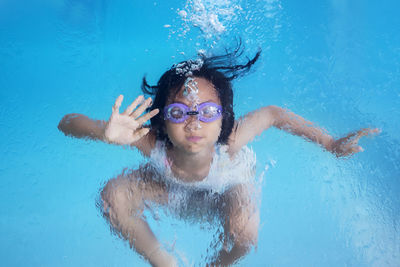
[{"x": 218, "y": 70}]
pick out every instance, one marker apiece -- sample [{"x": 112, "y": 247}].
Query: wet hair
[{"x": 218, "y": 70}]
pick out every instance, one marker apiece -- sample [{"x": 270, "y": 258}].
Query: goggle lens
[
  {"x": 176, "y": 113},
  {"x": 206, "y": 112},
  {"x": 209, "y": 112}
]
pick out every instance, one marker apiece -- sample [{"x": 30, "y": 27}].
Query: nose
[{"x": 192, "y": 124}]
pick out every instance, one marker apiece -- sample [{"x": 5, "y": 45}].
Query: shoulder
[
  {"x": 251, "y": 125},
  {"x": 147, "y": 143}
]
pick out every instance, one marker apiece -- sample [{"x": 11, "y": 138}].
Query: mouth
[{"x": 194, "y": 139}]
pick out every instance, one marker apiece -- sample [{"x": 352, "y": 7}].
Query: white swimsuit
[{"x": 205, "y": 196}]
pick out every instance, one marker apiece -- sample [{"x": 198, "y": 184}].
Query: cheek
[
  {"x": 173, "y": 130},
  {"x": 216, "y": 128}
]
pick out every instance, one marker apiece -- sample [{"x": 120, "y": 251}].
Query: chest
[{"x": 190, "y": 174}]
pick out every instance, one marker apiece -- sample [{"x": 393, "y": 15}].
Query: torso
[
  {"x": 186, "y": 176},
  {"x": 222, "y": 171},
  {"x": 193, "y": 169}
]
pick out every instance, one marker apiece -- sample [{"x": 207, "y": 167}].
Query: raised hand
[
  {"x": 348, "y": 145},
  {"x": 126, "y": 128}
]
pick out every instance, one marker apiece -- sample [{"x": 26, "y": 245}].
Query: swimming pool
[{"x": 334, "y": 62}]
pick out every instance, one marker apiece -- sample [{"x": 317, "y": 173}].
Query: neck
[{"x": 190, "y": 166}]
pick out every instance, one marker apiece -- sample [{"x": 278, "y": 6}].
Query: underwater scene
[{"x": 335, "y": 63}]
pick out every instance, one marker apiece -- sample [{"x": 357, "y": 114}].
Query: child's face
[{"x": 192, "y": 135}]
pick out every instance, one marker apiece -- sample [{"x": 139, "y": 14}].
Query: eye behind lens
[
  {"x": 177, "y": 113},
  {"x": 209, "y": 111}
]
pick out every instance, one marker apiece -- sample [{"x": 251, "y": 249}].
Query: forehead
[{"x": 207, "y": 92}]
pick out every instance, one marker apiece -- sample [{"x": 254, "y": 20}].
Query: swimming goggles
[{"x": 205, "y": 112}]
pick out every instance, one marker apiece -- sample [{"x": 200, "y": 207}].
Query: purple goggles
[{"x": 205, "y": 112}]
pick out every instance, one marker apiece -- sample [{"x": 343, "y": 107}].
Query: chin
[
  {"x": 193, "y": 148},
  {"x": 198, "y": 147}
]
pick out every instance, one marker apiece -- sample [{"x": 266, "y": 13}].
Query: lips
[{"x": 193, "y": 138}]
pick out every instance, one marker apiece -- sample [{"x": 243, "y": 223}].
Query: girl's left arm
[{"x": 258, "y": 121}]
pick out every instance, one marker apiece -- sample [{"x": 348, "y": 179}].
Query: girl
[{"x": 199, "y": 166}]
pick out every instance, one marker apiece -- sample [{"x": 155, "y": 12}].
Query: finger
[
  {"x": 349, "y": 136},
  {"x": 375, "y": 131},
  {"x": 141, "y": 108},
  {"x": 142, "y": 132},
  {"x": 363, "y": 132},
  {"x": 360, "y": 133},
  {"x": 134, "y": 104},
  {"x": 117, "y": 104},
  {"x": 356, "y": 135},
  {"x": 356, "y": 149},
  {"x": 148, "y": 116}
]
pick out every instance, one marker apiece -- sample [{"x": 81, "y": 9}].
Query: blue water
[{"x": 335, "y": 62}]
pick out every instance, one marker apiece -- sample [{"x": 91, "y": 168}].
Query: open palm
[{"x": 126, "y": 128}]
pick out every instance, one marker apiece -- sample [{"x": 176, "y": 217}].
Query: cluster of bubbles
[
  {"x": 191, "y": 89},
  {"x": 187, "y": 68},
  {"x": 211, "y": 17},
  {"x": 208, "y": 24}
]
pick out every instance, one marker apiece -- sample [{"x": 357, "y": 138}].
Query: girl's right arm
[
  {"x": 124, "y": 128},
  {"x": 81, "y": 126}
]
